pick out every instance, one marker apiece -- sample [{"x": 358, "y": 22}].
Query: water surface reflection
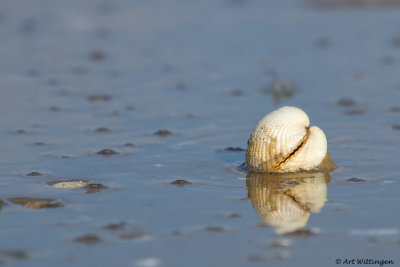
[{"x": 284, "y": 200}]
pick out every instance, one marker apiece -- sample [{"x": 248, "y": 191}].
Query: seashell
[
  {"x": 283, "y": 142},
  {"x": 69, "y": 183},
  {"x": 284, "y": 200}
]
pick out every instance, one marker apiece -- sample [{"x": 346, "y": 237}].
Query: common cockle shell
[{"x": 283, "y": 142}]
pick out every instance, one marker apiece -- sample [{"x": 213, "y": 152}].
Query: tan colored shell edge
[
  {"x": 275, "y": 137},
  {"x": 272, "y": 147},
  {"x": 297, "y": 149}
]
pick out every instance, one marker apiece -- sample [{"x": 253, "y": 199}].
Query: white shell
[
  {"x": 70, "y": 184},
  {"x": 283, "y": 142}
]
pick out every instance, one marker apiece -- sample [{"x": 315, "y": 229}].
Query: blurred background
[{"x": 150, "y": 104}]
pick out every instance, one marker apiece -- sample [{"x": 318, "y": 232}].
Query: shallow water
[{"x": 205, "y": 72}]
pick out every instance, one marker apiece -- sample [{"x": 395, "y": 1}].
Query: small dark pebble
[
  {"x": 181, "y": 182},
  {"x": 176, "y": 233},
  {"x": 215, "y": 229},
  {"x": 115, "y": 226},
  {"x": 129, "y": 144},
  {"x": 79, "y": 70},
  {"x": 346, "y": 102},
  {"x": 262, "y": 224},
  {"x": 234, "y": 149},
  {"x": 20, "y": 131},
  {"x": 39, "y": 144},
  {"x": 15, "y": 254},
  {"x": 32, "y": 72},
  {"x": 181, "y": 86},
  {"x": 53, "y": 81},
  {"x": 396, "y": 127},
  {"x": 107, "y": 152},
  {"x": 323, "y": 42},
  {"x": 359, "y": 77},
  {"x": 34, "y": 174},
  {"x": 162, "y": 133},
  {"x": 189, "y": 116},
  {"x": 99, "y": 98},
  {"x": 130, "y": 235},
  {"x": 123, "y": 232},
  {"x": 55, "y": 108},
  {"x": 63, "y": 91},
  {"x": 387, "y": 60},
  {"x": 355, "y": 179},
  {"x": 303, "y": 233},
  {"x": 94, "y": 188},
  {"x": 394, "y": 109},
  {"x": 237, "y": 92},
  {"x": 36, "y": 203},
  {"x": 235, "y": 216},
  {"x": 396, "y": 41},
  {"x": 1, "y": 203},
  {"x": 354, "y": 111},
  {"x": 130, "y": 107},
  {"x": 115, "y": 113},
  {"x": 97, "y": 55},
  {"x": 167, "y": 67},
  {"x": 28, "y": 25},
  {"x": 88, "y": 239},
  {"x": 102, "y": 130}
]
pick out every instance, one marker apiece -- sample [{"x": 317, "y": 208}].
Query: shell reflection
[{"x": 284, "y": 200}]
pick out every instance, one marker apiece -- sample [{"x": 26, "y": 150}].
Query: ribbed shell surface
[
  {"x": 282, "y": 142},
  {"x": 311, "y": 154}
]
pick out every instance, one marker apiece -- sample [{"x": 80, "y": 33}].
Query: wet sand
[{"x": 142, "y": 110}]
